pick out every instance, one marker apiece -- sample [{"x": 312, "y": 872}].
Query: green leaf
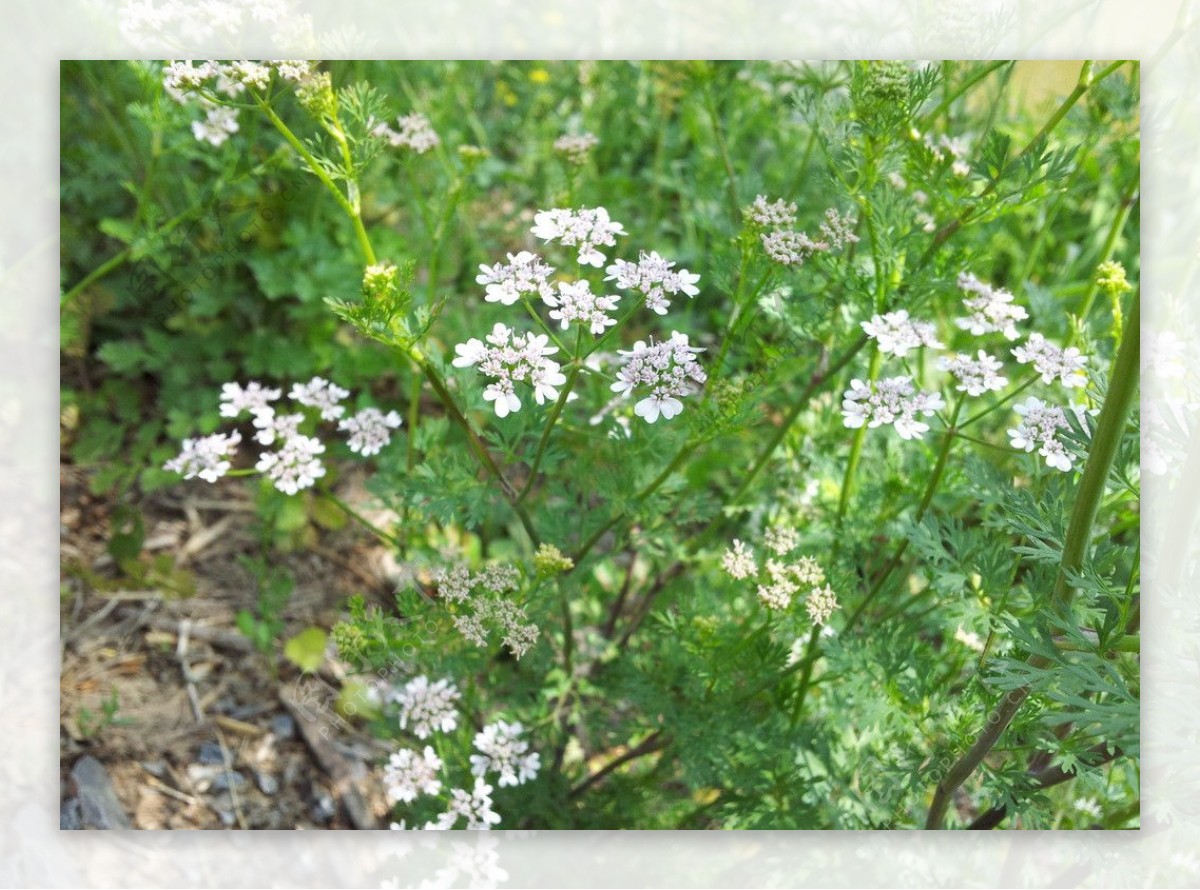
[{"x": 306, "y": 649}]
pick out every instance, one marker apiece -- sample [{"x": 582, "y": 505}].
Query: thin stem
[
  {"x": 1122, "y": 390},
  {"x": 735, "y": 206},
  {"x": 653, "y": 742},
  {"x": 545, "y": 439},
  {"x": 973, "y": 79},
  {"x": 359, "y": 518}
]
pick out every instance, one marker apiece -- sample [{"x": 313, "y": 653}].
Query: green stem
[
  {"x": 359, "y": 518},
  {"x": 545, "y": 439},
  {"x": 1122, "y": 390},
  {"x": 951, "y": 97},
  {"x": 731, "y": 186}
]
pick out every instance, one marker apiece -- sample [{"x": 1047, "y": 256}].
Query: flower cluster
[
  {"x": 654, "y": 278},
  {"x": 524, "y": 274},
  {"x": 207, "y": 457},
  {"x": 370, "y": 430},
  {"x": 1053, "y": 361},
  {"x": 975, "y": 376},
  {"x": 428, "y": 707},
  {"x": 479, "y": 605},
  {"x": 792, "y": 248},
  {"x": 668, "y": 368},
  {"x": 502, "y": 750},
  {"x": 783, "y": 579},
  {"x": 416, "y": 133},
  {"x": 992, "y": 309},
  {"x": 295, "y": 464},
  {"x": 1039, "y": 428},
  {"x": 510, "y": 358},
  {"x": 892, "y": 400},
  {"x": 584, "y": 229},
  {"x": 207, "y": 83},
  {"x": 576, "y": 148},
  {"x": 409, "y": 774},
  {"x": 576, "y": 302},
  {"x": 773, "y": 215},
  {"x": 895, "y": 333}
]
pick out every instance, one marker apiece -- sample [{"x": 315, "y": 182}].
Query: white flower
[
  {"x": 454, "y": 584},
  {"x": 895, "y": 333},
  {"x": 370, "y": 430},
  {"x": 409, "y": 775},
  {"x": 1053, "y": 361},
  {"x": 525, "y": 273},
  {"x": 585, "y": 229},
  {"x": 892, "y": 400},
  {"x": 206, "y": 457},
  {"x": 739, "y": 562},
  {"x": 475, "y": 806},
  {"x": 837, "y": 229},
  {"x": 469, "y": 353},
  {"x": 509, "y": 358},
  {"x": 654, "y": 278},
  {"x": 499, "y": 578},
  {"x": 272, "y": 426},
  {"x": 253, "y": 398},
  {"x": 780, "y": 539},
  {"x": 969, "y": 638},
  {"x": 975, "y": 376},
  {"x": 295, "y": 466},
  {"x": 669, "y": 368},
  {"x": 777, "y": 594},
  {"x": 321, "y": 394},
  {"x": 790, "y": 248},
  {"x": 1039, "y": 428},
  {"x": 576, "y": 302},
  {"x": 429, "y": 707},
  {"x": 415, "y": 133},
  {"x": 218, "y": 125},
  {"x": 501, "y": 750},
  {"x": 992, "y": 309},
  {"x": 820, "y": 604},
  {"x": 576, "y": 148},
  {"x": 774, "y": 215}
]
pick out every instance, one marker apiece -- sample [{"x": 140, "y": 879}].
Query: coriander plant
[{"x": 760, "y": 438}]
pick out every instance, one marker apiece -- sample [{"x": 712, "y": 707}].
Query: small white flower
[
  {"x": 969, "y": 638},
  {"x": 475, "y": 806},
  {"x": 218, "y": 125},
  {"x": 771, "y": 215},
  {"x": 415, "y": 133},
  {"x": 370, "y": 430},
  {"x": 524, "y": 274},
  {"x": 1053, "y": 361},
  {"x": 408, "y": 775},
  {"x": 501, "y": 750},
  {"x": 669, "y": 368},
  {"x": 895, "y": 333},
  {"x": 739, "y": 562},
  {"x": 790, "y": 248},
  {"x": 655, "y": 278},
  {"x": 892, "y": 400},
  {"x": 429, "y": 707},
  {"x": 295, "y": 466},
  {"x": 576, "y": 148},
  {"x": 509, "y": 358},
  {"x": 992, "y": 309},
  {"x": 319, "y": 393},
  {"x": 838, "y": 230},
  {"x": 576, "y": 302},
  {"x": 1039, "y": 428},
  {"x": 253, "y": 398},
  {"x": 207, "y": 457},
  {"x": 821, "y": 604},
  {"x": 272, "y": 426},
  {"x": 584, "y": 229},
  {"x": 780, "y": 539},
  {"x": 469, "y": 353},
  {"x": 974, "y": 376}
]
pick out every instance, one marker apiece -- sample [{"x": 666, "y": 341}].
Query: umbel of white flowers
[
  {"x": 667, "y": 371},
  {"x": 295, "y": 462}
]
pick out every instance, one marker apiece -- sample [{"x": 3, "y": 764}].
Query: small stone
[
  {"x": 267, "y": 783},
  {"x": 98, "y": 804},
  {"x": 283, "y": 726},
  {"x": 210, "y": 752},
  {"x": 324, "y": 808},
  {"x": 156, "y": 768},
  {"x": 226, "y": 779}
]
